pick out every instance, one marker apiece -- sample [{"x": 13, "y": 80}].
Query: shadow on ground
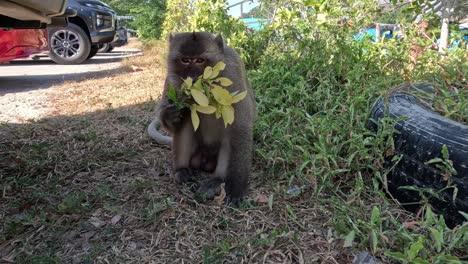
[
  {"x": 95, "y": 188},
  {"x": 12, "y": 84}
]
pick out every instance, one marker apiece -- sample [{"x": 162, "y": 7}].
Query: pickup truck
[
  {"x": 95, "y": 24},
  {"x": 23, "y": 23}
]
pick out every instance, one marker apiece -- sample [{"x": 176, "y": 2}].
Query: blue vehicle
[
  {"x": 372, "y": 32},
  {"x": 254, "y": 23}
]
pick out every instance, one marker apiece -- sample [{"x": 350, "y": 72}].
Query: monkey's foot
[
  {"x": 183, "y": 175},
  {"x": 233, "y": 201},
  {"x": 209, "y": 189}
]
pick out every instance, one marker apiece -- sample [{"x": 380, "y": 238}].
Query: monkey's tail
[{"x": 155, "y": 133}]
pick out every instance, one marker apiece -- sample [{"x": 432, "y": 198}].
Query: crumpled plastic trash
[{"x": 364, "y": 257}]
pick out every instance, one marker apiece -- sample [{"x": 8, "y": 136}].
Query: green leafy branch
[{"x": 207, "y": 95}]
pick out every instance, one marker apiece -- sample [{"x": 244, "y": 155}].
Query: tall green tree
[{"x": 148, "y": 15}]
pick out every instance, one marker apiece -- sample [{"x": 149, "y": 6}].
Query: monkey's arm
[{"x": 170, "y": 117}]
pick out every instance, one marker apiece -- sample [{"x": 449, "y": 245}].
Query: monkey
[{"x": 225, "y": 153}]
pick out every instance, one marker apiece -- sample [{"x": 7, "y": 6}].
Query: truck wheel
[
  {"x": 69, "y": 45},
  {"x": 93, "y": 52},
  {"x": 420, "y": 138}
]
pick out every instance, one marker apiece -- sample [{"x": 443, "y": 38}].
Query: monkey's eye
[
  {"x": 200, "y": 60},
  {"x": 185, "y": 61}
]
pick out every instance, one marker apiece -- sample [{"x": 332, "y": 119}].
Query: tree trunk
[{"x": 447, "y": 11}]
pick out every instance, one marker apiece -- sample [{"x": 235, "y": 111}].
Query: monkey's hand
[{"x": 171, "y": 117}]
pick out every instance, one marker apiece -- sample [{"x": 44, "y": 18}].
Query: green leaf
[
  {"x": 228, "y": 115},
  {"x": 396, "y": 255},
  {"x": 375, "y": 218},
  {"x": 216, "y": 69},
  {"x": 464, "y": 215},
  {"x": 199, "y": 97},
  {"x": 420, "y": 261},
  {"x": 438, "y": 238},
  {"x": 221, "y": 95},
  {"x": 195, "y": 118},
  {"x": 445, "y": 152},
  {"x": 349, "y": 239},
  {"x": 429, "y": 216},
  {"x": 219, "y": 109},
  {"x": 206, "y": 109},
  {"x": 239, "y": 97},
  {"x": 414, "y": 249},
  {"x": 188, "y": 82},
  {"x": 447, "y": 259},
  {"x": 198, "y": 84},
  {"x": 219, "y": 66},
  {"x": 224, "y": 81},
  {"x": 171, "y": 94},
  {"x": 374, "y": 240},
  {"x": 207, "y": 73}
]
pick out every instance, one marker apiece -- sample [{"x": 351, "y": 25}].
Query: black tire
[
  {"x": 420, "y": 138},
  {"x": 69, "y": 45},
  {"x": 103, "y": 48},
  {"x": 93, "y": 51}
]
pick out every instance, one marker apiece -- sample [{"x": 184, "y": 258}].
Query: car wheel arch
[{"x": 77, "y": 20}]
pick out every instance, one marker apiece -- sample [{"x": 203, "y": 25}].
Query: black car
[
  {"x": 94, "y": 24},
  {"x": 119, "y": 40}
]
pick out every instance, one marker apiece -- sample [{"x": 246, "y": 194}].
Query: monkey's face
[
  {"x": 191, "y": 66},
  {"x": 191, "y": 53}
]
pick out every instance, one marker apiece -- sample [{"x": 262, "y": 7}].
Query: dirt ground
[{"x": 26, "y": 83}]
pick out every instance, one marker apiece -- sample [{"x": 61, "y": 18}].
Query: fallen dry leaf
[
  {"x": 136, "y": 68},
  {"x": 411, "y": 224},
  {"x": 261, "y": 198},
  {"x": 116, "y": 219},
  {"x": 96, "y": 222}
]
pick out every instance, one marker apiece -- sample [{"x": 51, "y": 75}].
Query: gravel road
[{"x": 25, "y": 83}]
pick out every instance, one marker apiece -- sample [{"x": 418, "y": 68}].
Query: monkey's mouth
[{"x": 194, "y": 77}]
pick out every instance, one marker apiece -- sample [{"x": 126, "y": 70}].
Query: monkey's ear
[
  {"x": 194, "y": 35},
  {"x": 171, "y": 37},
  {"x": 219, "y": 41}
]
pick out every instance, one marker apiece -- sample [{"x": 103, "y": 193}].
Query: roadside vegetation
[{"x": 87, "y": 184}]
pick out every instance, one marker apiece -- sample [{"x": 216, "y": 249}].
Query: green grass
[{"x": 314, "y": 107}]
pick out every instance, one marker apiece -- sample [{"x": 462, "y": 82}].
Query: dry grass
[{"x": 86, "y": 185}]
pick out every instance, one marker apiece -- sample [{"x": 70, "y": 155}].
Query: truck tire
[
  {"x": 93, "y": 51},
  {"x": 420, "y": 138},
  {"x": 69, "y": 45}
]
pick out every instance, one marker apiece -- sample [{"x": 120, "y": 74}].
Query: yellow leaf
[
  {"x": 195, "y": 119},
  {"x": 321, "y": 18},
  {"x": 199, "y": 97},
  {"x": 219, "y": 108},
  {"x": 219, "y": 66},
  {"x": 188, "y": 82},
  {"x": 224, "y": 81},
  {"x": 228, "y": 115},
  {"x": 221, "y": 95},
  {"x": 213, "y": 75},
  {"x": 216, "y": 69},
  {"x": 206, "y": 109},
  {"x": 198, "y": 84},
  {"x": 207, "y": 73},
  {"x": 239, "y": 97}
]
